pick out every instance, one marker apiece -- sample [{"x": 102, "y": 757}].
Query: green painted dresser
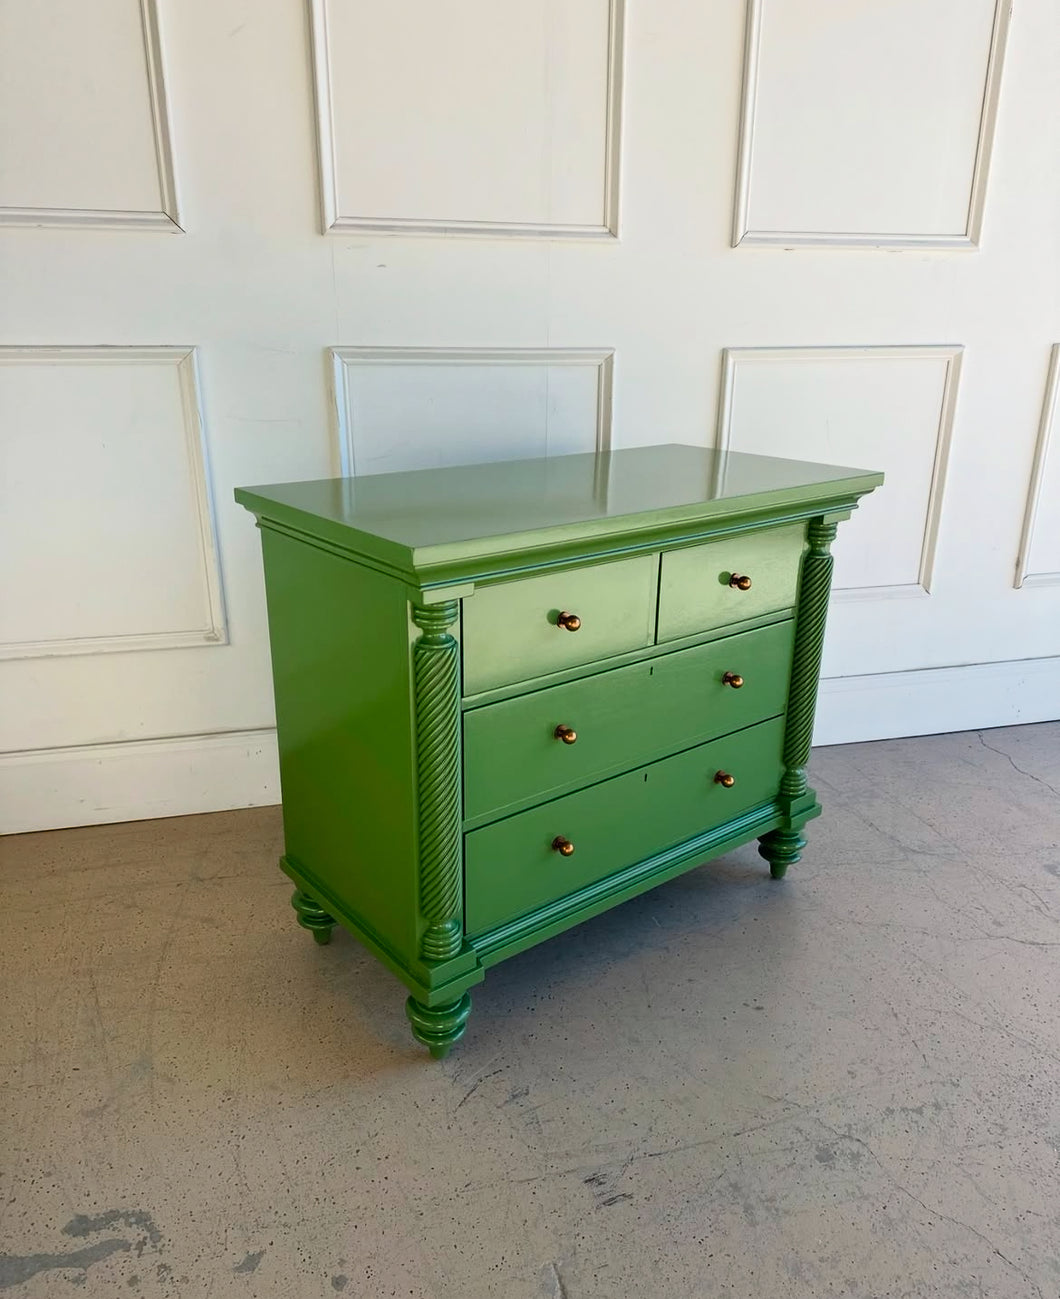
[{"x": 510, "y": 696}]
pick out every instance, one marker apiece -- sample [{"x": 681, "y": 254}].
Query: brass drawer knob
[
  {"x": 565, "y": 733},
  {"x": 724, "y": 779},
  {"x": 732, "y": 679},
  {"x": 739, "y": 582},
  {"x": 563, "y": 846},
  {"x": 568, "y": 621}
]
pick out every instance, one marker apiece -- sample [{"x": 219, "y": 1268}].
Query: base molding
[
  {"x": 96, "y": 784},
  {"x": 932, "y": 701}
]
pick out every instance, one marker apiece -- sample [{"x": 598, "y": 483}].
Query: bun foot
[
  {"x": 781, "y": 848},
  {"x": 312, "y": 916},
  {"x": 438, "y": 1027}
]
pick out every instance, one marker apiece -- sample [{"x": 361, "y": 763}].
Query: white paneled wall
[
  {"x": 868, "y": 123},
  {"x": 505, "y": 115},
  {"x": 892, "y": 406},
  {"x": 105, "y": 494},
  {"x": 407, "y": 408},
  {"x": 1039, "y": 558},
  {"x": 420, "y": 234},
  {"x": 84, "y": 121}
]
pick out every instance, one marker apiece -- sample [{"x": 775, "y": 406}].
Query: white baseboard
[
  {"x": 47, "y": 789},
  {"x": 935, "y": 700}
]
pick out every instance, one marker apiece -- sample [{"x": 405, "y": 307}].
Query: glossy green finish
[
  {"x": 511, "y": 633},
  {"x": 438, "y": 1027},
  {"x": 653, "y": 651},
  {"x": 695, "y": 591},
  {"x": 434, "y": 983},
  {"x": 436, "y": 682},
  {"x": 781, "y": 848},
  {"x": 312, "y": 916},
  {"x": 814, "y": 589},
  {"x": 433, "y": 526},
  {"x": 343, "y": 703},
  {"x": 622, "y": 718},
  {"x": 405, "y": 608},
  {"x": 629, "y": 882},
  {"x": 511, "y": 867}
]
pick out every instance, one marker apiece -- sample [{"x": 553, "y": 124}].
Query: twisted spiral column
[
  {"x": 436, "y": 682},
  {"x": 806, "y": 662}
]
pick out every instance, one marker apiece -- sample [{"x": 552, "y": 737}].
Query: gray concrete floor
[{"x": 847, "y": 1083}]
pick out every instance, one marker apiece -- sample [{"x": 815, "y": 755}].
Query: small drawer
[
  {"x": 543, "y": 744},
  {"x": 518, "y": 630},
  {"x": 519, "y": 864},
  {"x": 726, "y": 581}
]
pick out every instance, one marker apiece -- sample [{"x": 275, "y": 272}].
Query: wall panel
[
  {"x": 868, "y": 123},
  {"x": 1038, "y": 563},
  {"x": 888, "y": 408},
  {"x": 104, "y": 496},
  {"x": 84, "y": 120},
  {"x": 415, "y": 408},
  {"x": 487, "y": 117}
]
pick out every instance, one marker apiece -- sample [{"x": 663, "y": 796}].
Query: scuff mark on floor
[
  {"x": 251, "y": 1262},
  {"x": 15, "y": 1269},
  {"x": 550, "y": 1275},
  {"x": 83, "y": 1224}
]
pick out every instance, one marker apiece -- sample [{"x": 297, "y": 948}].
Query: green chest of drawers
[{"x": 510, "y": 696}]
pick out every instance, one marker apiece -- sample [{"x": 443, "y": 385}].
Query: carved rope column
[
  {"x": 783, "y": 846},
  {"x": 436, "y": 682},
  {"x": 806, "y": 663}
]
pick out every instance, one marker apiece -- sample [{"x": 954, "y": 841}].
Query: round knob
[
  {"x": 724, "y": 779},
  {"x": 563, "y": 846},
  {"x": 568, "y": 621},
  {"x": 740, "y": 582},
  {"x": 732, "y": 679},
  {"x": 565, "y": 733}
]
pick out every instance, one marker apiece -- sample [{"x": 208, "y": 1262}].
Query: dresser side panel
[{"x": 340, "y": 659}]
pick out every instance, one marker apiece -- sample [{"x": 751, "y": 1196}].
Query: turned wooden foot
[
  {"x": 312, "y": 916},
  {"x": 438, "y": 1027},
  {"x": 780, "y": 848}
]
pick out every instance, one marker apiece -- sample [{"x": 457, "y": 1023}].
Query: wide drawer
[
  {"x": 542, "y": 744},
  {"x": 515, "y": 631},
  {"x": 512, "y": 866},
  {"x": 725, "y": 581}
]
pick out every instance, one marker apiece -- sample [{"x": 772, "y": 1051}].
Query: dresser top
[{"x": 448, "y": 524}]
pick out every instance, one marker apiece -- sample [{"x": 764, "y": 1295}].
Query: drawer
[
  {"x": 511, "y": 632},
  {"x": 697, "y": 591},
  {"x": 511, "y": 867},
  {"x": 622, "y": 718}
]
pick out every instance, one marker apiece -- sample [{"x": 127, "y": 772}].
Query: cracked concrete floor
[{"x": 847, "y": 1083}]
